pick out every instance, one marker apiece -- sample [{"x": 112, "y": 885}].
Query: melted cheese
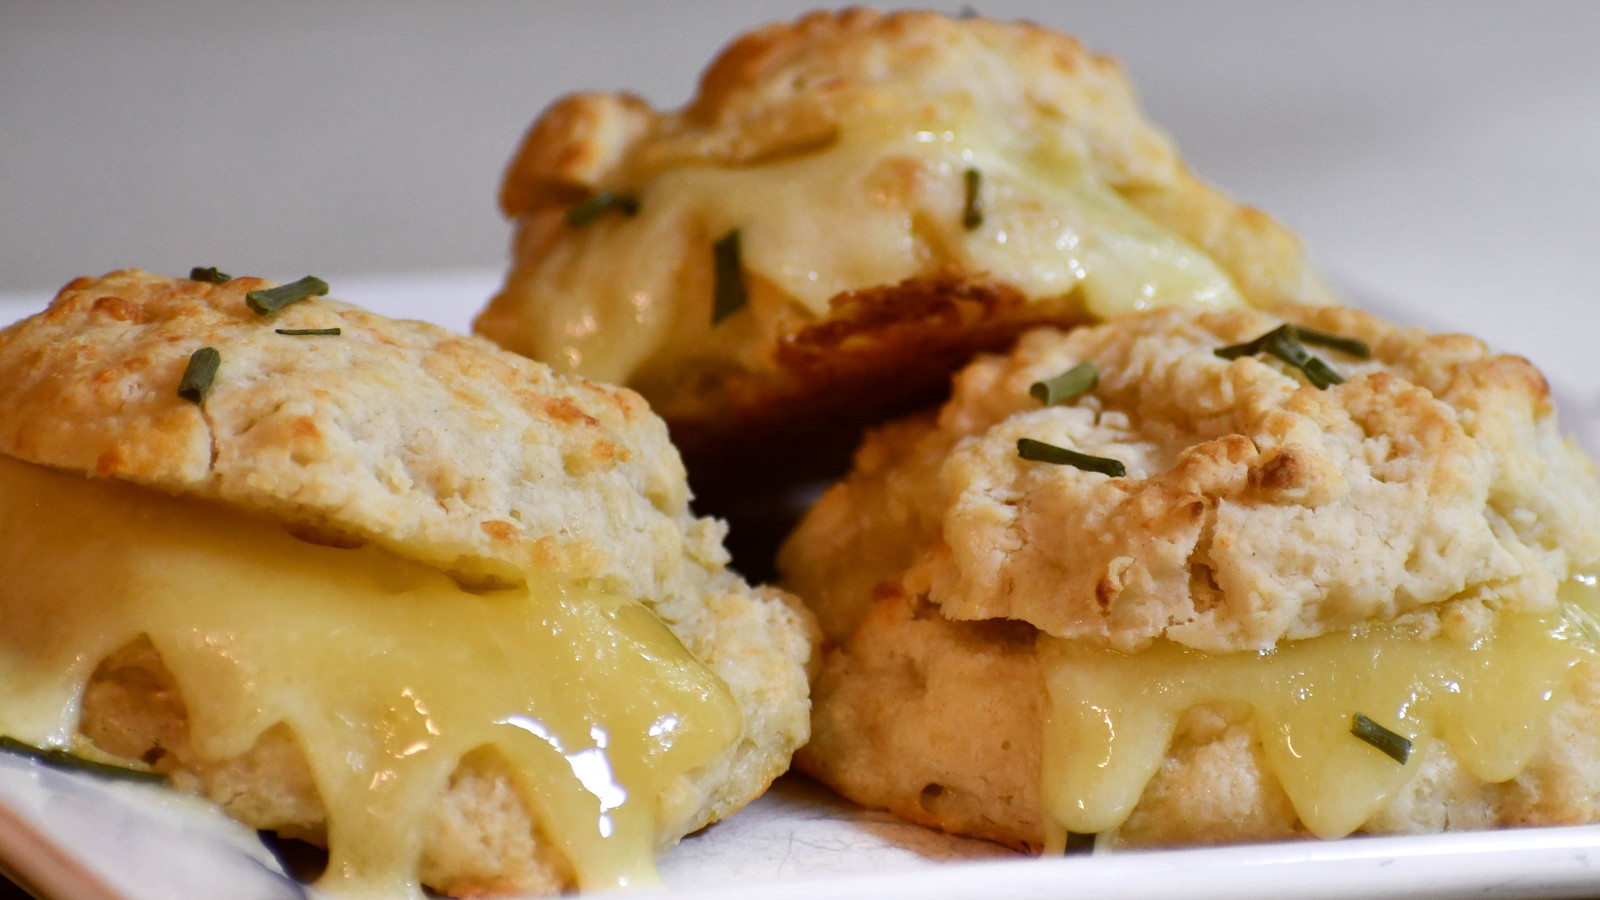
[
  {"x": 386, "y": 671},
  {"x": 880, "y": 205},
  {"x": 1113, "y": 715}
]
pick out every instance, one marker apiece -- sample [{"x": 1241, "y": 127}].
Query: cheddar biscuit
[
  {"x": 518, "y": 642},
  {"x": 941, "y": 723},
  {"x": 1201, "y": 578},
  {"x": 883, "y": 194}
]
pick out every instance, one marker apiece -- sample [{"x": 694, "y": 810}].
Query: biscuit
[
  {"x": 908, "y": 189},
  {"x": 1256, "y": 509},
  {"x": 563, "y": 472},
  {"x": 1427, "y": 500},
  {"x": 939, "y": 722},
  {"x": 439, "y": 453}
]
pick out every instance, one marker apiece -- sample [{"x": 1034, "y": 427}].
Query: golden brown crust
[
  {"x": 809, "y": 91},
  {"x": 370, "y": 433},
  {"x": 1256, "y": 508},
  {"x": 791, "y": 85},
  {"x": 574, "y": 144},
  {"x": 921, "y": 330}
]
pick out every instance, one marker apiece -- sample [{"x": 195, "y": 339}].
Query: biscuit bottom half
[
  {"x": 525, "y": 739},
  {"x": 992, "y": 729}
]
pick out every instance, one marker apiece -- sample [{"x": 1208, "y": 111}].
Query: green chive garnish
[
  {"x": 1353, "y": 346},
  {"x": 1039, "y": 451},
  {"x": 1080, "y": 379},
  {"x": 209, "y": 274},
  {"x": 600, "y": 203},
  {"x": 270, "y": 300},
  {"x": 1252, "y": 347},
  {"x": 199, "y": 374},
  {"x": 61, "y": 759},
  {"x": 1282, "y": 343},
  {"x": 1394, "y": 746},
  {"x": 972, "y": 210},
  {"x": 1295, "y": 354},
  {"x": 730, "y": 294},
  {"x": 296, "y": 332}
]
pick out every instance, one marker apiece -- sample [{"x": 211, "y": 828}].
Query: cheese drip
[
  {"x": 1112, "y": 715},
  {"x": 385, "y": 670},
  {"x": 881, "y": 204}
]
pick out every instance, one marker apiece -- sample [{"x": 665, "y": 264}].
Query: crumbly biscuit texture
[
  {"x": 1256, "y": 508},
  {"x": 860, "y": 260},
  {"x": 940, "y": 722},
  {"x": 482, "y": 838},
  {"x": 437, "y": 446},
  {"x": 440, "y": 448},
  {"x": 791, "y": 87}
]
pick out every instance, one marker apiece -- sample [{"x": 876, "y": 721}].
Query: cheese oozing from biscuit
[
  {"x": 1112, "y": 715},
  {"x": 386, "y": 671},
  {"x": 880, "y": 204}
]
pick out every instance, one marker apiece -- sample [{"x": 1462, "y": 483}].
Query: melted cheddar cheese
[
  {"x": 1112, "y": 715},
  {"x": 386, "y": 671},
  {"x": 880, "y": 204}
]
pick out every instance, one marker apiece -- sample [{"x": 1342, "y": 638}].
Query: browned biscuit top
[
  {"x": 789, "y": 87},
  {"x": 1255, "y": 507},
  {"x": 443, "y": 448},
  {"x": 865, "y": 159}
]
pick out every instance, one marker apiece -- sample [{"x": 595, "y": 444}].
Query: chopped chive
[
  {"x": 730, "y": 296},
  {"x": 1248, "y": 348},
  {"x": 209, "y": 274},
  {"x": 270, "y": 300},
  {"x": 1392, "y": 745},
  {"x": 600, "y": 203},
  {"x": 1281, "y": 342},
  {"x": 1080, "y": 379},
  {"x": 199, "y": 374},
  {"x": 972, "y": 210},
  {"x": 296, "y": 332},
  {"x": 1291, "y": 351},
  {"x": 1258, "y": 345},
  {"x": 61, "y": 759},
  {"x": 1353, "y": 346},
  {"x": 1039, "y": 451}
]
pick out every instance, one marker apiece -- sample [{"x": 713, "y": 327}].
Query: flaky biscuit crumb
[
  {"x": 1431, "y": 489},
  {"x": 941, "y": 723},
  {"x": 436, "y": 447},
  {"x": 1256, "y": 507}
]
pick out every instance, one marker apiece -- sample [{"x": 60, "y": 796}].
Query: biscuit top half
[
  {"x": 1254, "y": 508},
  {"x": 855, "y": 152},
  {"x": 442, "y": 448}
]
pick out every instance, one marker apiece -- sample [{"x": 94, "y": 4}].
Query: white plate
[{"x": 71, "y": 836}]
